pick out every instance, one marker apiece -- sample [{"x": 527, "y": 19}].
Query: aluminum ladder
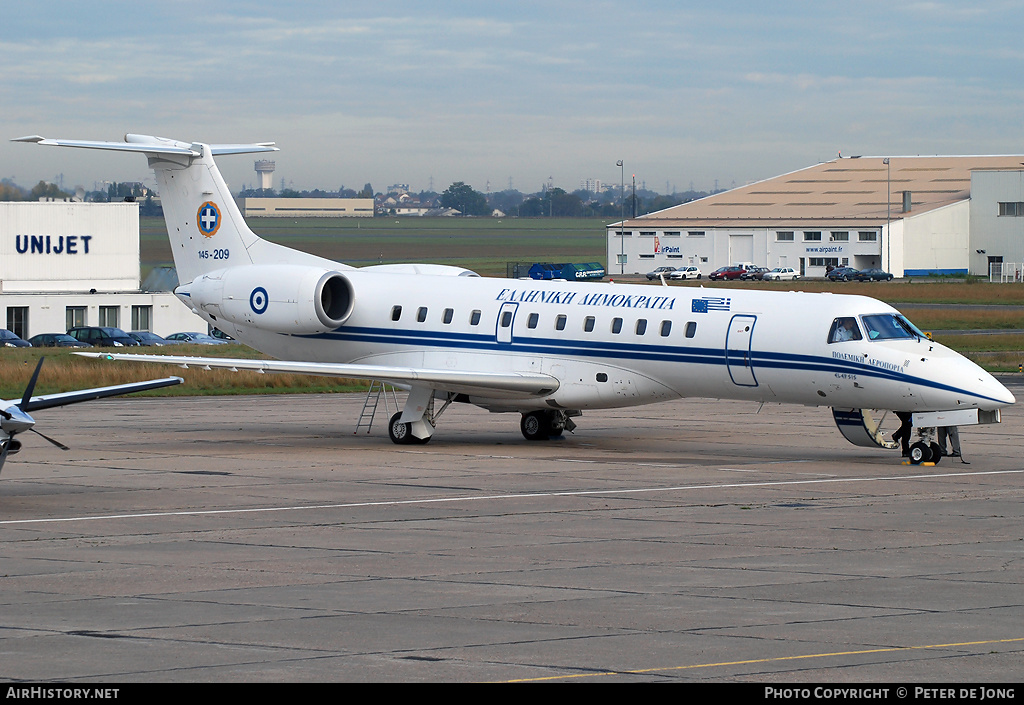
[{"x": 373, "y": 395}]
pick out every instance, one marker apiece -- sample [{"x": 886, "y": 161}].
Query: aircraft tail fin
[{"x": 205, "y": 227}]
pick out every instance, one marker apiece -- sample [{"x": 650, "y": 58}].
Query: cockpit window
[
  {"x": 890, "y": 326},
  {"x": 844, "y": 329}
]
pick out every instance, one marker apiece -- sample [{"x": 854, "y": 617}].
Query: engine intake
[{"x": 292, "y": 299}]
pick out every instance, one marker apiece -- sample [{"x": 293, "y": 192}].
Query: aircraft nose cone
[
  {"x": 19, "y": 421},
  {"x": 995, "y": 390}
]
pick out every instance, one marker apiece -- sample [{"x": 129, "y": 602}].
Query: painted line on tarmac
[
  {"x": 499, "y": 497},
  {"x": 777, "y": 659}
]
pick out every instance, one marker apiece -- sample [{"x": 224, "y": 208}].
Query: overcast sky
[{"x": 685, "y": 93}]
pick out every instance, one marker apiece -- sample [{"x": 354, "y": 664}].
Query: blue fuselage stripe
[{"x": 627, "y": 351}]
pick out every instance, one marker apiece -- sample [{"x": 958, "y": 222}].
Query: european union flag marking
[{"x": 711, "y": 303}]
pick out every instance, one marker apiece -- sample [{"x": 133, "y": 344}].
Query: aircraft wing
[
  {"x": 48, "y": 401},
  {"x": 503, "y": 385}
]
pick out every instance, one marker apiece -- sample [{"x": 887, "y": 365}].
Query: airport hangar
[
  {"x": 66, "y": 264},
  {"x": 912, "y": 216}
]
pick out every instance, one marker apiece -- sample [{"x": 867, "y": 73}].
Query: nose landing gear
[{"x": 925, "y": 450}]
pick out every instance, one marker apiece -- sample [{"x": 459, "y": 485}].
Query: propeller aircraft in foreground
[{"x": 15, "y": 418}]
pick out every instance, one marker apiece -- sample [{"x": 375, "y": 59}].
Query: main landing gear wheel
[
  {"x": 542, "y": 425},
  {"x": 534, "y": 426},
  {"x": 401, "y": 433}
]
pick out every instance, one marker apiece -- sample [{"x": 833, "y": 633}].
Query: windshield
[{"x": 890, "y": 326}]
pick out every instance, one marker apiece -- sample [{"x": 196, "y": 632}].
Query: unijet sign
[{"x": 52, "y": 244}]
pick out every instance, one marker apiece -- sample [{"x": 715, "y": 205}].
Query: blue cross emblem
[{"x": 209, "y": 218}]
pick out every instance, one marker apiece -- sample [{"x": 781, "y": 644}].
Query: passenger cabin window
[
  {"x": 616, "y": 325},
  {"x": 448, "y": 314},
  {"x": 588, "y": 324},
  {"x": 560, "y": 322},
  {"x": 396, "y": 313},
  {"x": 421, "y": 314},
  {"x": 844, "y": 329},
  {"x": 666, "y": 328},
  {"x": 506, "y": 319},
  {"x": 531, "y": 322},
  {"x": 691, "y": 329},
  {"x": 474, "y": 318},
  {"x": 641, "y": 326}
]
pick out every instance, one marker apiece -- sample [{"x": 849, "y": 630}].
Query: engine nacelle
[{"x": 284, "y": 298}]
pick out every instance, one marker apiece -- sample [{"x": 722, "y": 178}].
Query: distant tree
[
  {"x": 10, "y": 192},
  {"x": 564, "y": 205},
  {"x": 290, "y": 193},
  {"x": 45, "y": 190},
  {"x": 660, "y": 203},
  {"x": 367, "y": 192},
  {"x": 149, "y": 207},
  {"x": 463, "y": 198},
  {"x": 506, "y": 201},
  {"x": 533, "y": 207}
]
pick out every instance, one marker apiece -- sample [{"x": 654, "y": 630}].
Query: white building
[
  {"x": 908, "y": 215},
  {"x": 306, "y": 207},
  {"x": 75, "y": 264}
]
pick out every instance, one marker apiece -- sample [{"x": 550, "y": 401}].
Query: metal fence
[
  {"x": 518, "y": 270},
  {"x": 1005, "y": 272}
]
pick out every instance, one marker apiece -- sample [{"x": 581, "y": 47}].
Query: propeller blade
[
  {"x": 54, "y": 442},
  {"x": 31, "y": 385}
]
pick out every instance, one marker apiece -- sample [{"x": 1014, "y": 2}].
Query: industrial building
[
  {"x": 306, "y": 207},
  {"x": 908, "y": 215},
  {"x": 66, "y": 264}
]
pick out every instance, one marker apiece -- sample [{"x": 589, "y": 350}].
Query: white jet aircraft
[
  {"x": 546, "y": 349},
  {"x": 14, "y": 416}
]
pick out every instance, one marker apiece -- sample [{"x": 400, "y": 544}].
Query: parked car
[
  {"x": 873, "y": 275},
  {"x": 844, "y": 274},
  {"x": 196, "y": 339},
  {"x": 686, "y": 273},
  {"x": 144, "y": 337},
  {"x": 10, "y": 340},
  {"x": 754, "y": 273},
  {"x": 102, "y": 336},
  {"x": 731, "y": 272},
  {"x": 781, "y": 274},
  {"x": 667, "y": 271},
  {"x": 221, "y": 335},
  {"x": 56, "y": 340}
]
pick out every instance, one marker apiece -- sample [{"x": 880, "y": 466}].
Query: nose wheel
[{"x": 922, "y": 452}]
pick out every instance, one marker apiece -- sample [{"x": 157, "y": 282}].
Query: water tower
[{"x": 265, "y": 173}]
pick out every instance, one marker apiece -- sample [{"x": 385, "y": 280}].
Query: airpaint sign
[{"x": 666, "y": 250}]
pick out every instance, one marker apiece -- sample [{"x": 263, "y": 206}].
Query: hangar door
[{"x": 741, "y": 248}]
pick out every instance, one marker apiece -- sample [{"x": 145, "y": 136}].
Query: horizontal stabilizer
[
  {"x": 489, "y": 384},
  {"x": 146, "y": 144}
]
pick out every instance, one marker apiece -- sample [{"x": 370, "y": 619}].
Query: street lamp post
[
  {"x": 888, "y": 202},
  {"x": 622, "y": 217}
]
